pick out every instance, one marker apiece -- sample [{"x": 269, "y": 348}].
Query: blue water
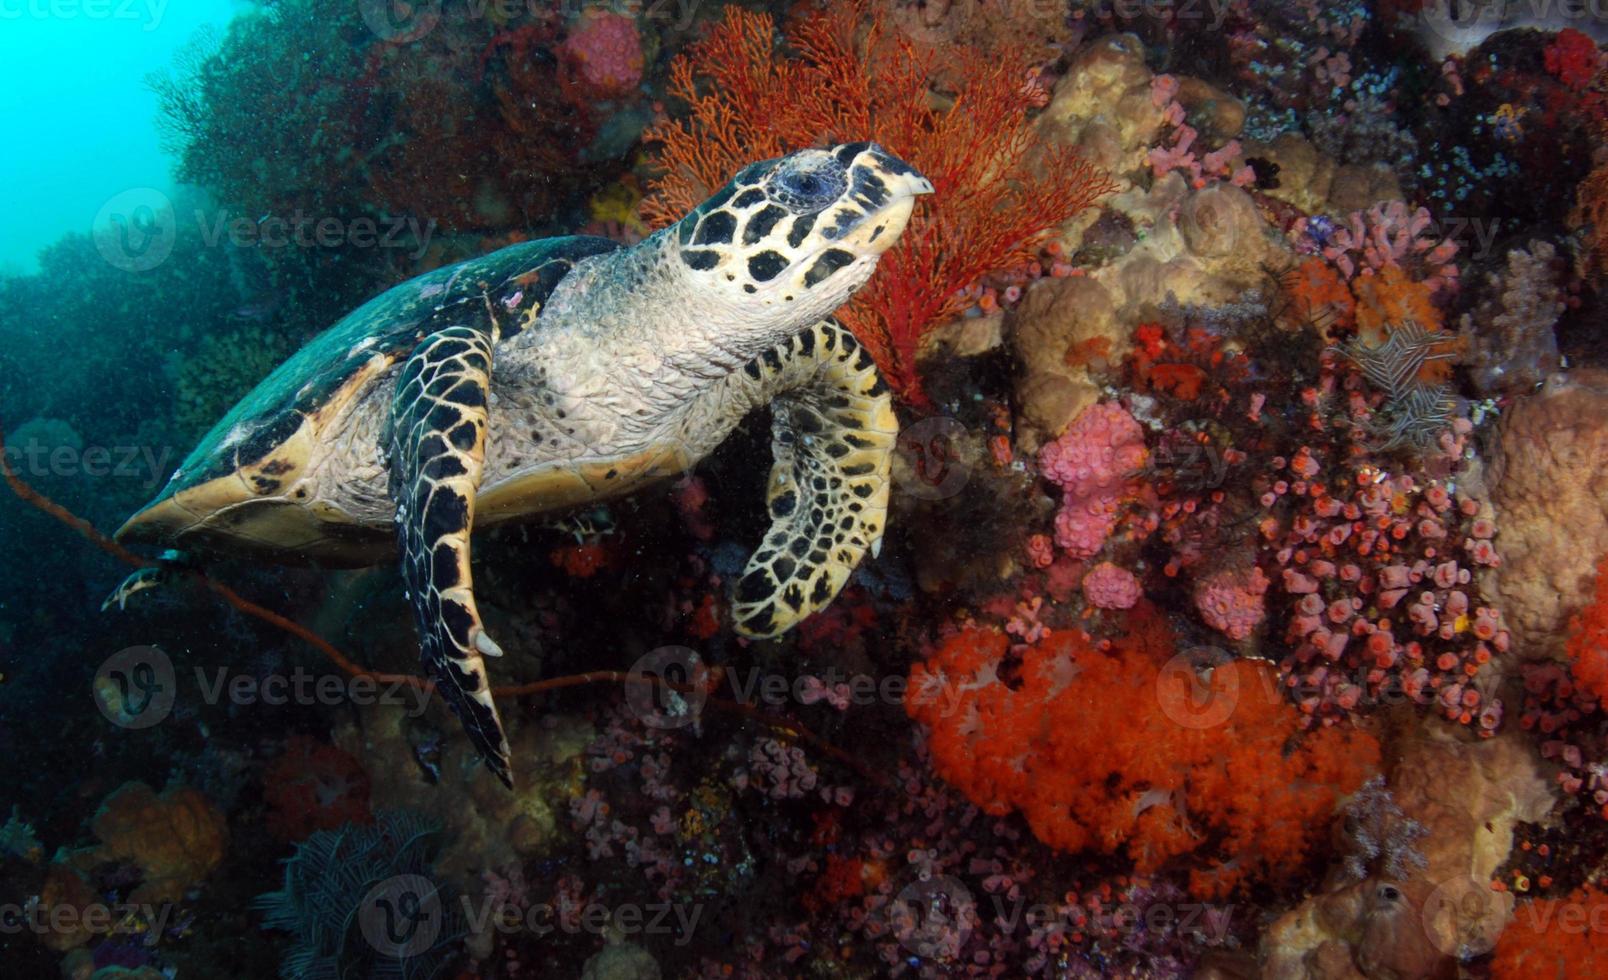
[{"x": 72, "y": 92}]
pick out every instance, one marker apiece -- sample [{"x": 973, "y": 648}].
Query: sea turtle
[{"x": 556, "y": 373}]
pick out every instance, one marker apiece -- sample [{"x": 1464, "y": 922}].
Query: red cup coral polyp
[{"x": 1112, "y": 746}]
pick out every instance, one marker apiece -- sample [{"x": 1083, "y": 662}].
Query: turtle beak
[
  {"x": 902, "y": 179},
  {"x": 888, "y": 195}
]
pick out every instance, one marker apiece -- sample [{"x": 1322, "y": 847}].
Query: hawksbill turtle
[{"x": 553, "y": 374}]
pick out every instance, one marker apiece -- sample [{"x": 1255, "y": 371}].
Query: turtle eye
[
  {"x": 808, "y": 184},
  {"x": 804, "y": 185}
]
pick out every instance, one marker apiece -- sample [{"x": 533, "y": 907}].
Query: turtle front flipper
[
  {"x": 832, "y": 437},
  {"x": 436, "y": 448}
]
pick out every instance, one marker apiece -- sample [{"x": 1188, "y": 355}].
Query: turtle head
[{"x": 789, "y": 240}]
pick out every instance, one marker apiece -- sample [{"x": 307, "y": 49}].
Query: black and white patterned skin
[
  {"x": 437, "y": 451},
  {"x": 832, "y": 443},
  {"x": 550, "y": 375}
]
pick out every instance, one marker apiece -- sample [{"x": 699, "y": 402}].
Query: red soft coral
[
  {"x": 1572, "y": 58},
  {"x": 314, "y": 786},
  {"x": 1111, "y": 747},
  {"x": 1555, "y": 938},
  {"x": 1588, "y": 640}
]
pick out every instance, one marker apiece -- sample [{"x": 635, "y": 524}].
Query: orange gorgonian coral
[{"x": 845, "y": 77}]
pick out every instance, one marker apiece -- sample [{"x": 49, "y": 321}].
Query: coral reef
[
  {"x": 1092, "y": 463},
  {"x": 1512, "y": 345},
  {"x": 1587, "y": 648},
  {"x": 1243, "y": 610},
  {"x": 1554, "y": 937},
  {"x": 314, "y": 786}
]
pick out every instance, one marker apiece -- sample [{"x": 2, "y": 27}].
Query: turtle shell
[{"x": 264, "y": 442}]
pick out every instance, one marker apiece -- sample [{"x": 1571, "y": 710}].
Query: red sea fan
[{"x": 847, "y": 78}]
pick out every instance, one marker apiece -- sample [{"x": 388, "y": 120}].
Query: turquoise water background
[{"x": 76, "y": 111}]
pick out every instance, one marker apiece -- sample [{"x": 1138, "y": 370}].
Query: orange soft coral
[
  {"x": 1555, "y": 939},
  {"x": 1391, "y": 297},
  {"x": 1588, "y": 640},
  {"x": 176, "y": 838},
  {"x": 1320, "y": 294},
  {"x": 850, "y": 78},
  {"x": 1103, "y": 748}
]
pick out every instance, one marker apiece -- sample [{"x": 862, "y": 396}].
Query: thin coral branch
[{"x": 781, "y": 726}]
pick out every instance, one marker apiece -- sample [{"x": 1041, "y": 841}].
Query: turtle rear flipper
[
  {"x": 165, "y": 572},
  {"x": 832, "y": 439},
  {"x": 436, "y": 448}
]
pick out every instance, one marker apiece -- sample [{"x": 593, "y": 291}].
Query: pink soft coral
[{"x": 1092, "y": 463}]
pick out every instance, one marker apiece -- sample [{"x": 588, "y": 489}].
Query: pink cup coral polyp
[{"x": 602, "y": 56}]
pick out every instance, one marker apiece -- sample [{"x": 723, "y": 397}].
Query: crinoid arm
[
  {"x": 437, "y": 448},
  {"x": 832, "y": 441}
]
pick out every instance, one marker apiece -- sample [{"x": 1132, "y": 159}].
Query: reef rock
[
  {"x": 1549, "y": 483},
  {"x": 1058, "y": 318},
  {"x": 1218, "y": 115},
  {"x": 621, "y": 961},
  {"x": 484, "y": 825},
  {"x": 1205, "y": 247},
  {"x": 1103, "y": 105},
  {"x": 1423, "y": 916},
  {"x": 1314, "y": 183}
]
